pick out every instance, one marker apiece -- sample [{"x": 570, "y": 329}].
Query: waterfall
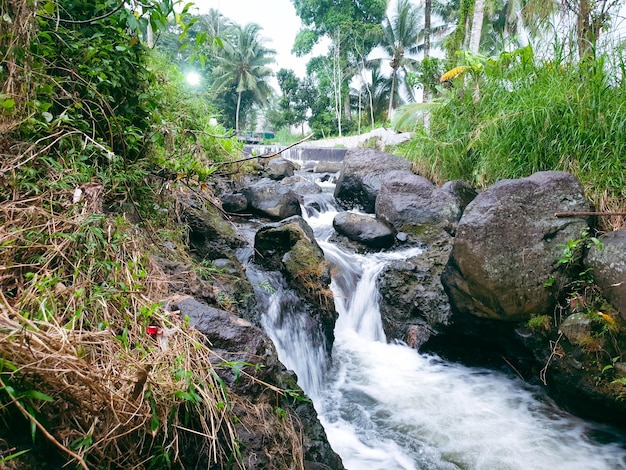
[{"x": 385, "y": 406}]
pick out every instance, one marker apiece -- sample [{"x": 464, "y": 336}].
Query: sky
[{"x": 277, "y": 18}]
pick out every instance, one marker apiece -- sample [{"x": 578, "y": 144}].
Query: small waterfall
[{"x": 387, "y": 407}]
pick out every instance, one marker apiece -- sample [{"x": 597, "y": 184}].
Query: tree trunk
[
  {"x": 477, "y": 25},
  {"x": 237, "y": 112},
  {"x": 393, "y": 90},
  {"x": 585, "y": 34}
]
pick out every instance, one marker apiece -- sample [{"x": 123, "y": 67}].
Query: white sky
[{"x": 278, "y": 20}]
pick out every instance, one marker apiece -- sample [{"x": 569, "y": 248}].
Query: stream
[{"x": 385, "y": 406}]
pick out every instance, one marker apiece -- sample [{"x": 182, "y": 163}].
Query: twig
[
  {"x": 513, "y": 367},
  {"x": 269, "y": 155},
  {"x": 575, "y": 214},
  {"x": 91, "y": 20},
  {"x": 45, "y": 432},
  {"x": 553, "y": 352}
]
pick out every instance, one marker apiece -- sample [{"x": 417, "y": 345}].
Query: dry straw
[{"x": 75, "y": 303}]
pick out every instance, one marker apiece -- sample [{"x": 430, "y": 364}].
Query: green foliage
[
  {"x": 530, "y": 116},
  {"x": 540, "y": 323}
]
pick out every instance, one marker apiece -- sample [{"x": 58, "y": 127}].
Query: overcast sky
[{"x": 277, "y": 18}]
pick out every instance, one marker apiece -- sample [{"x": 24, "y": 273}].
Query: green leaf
[
  {"x": 47, "y": 116},
  {"x": 8, "y": 104},
  {"x": 38, "y": 395}
]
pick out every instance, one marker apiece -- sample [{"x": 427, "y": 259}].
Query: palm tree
[
  {"x": 244, "y": 65},
  {"x": 399, "y": 38}
]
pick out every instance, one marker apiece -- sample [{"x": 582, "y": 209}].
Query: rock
[
  {"x": 462, "y": 191},
  {"x": 364, "y": 229},
  {"x": 301, "y": 186},
  {"x": 271, "y": 199},
  {"x": 408, "y": 199},
  {"x": 234, "y": 202},
  {"x": 328, "y": 167},
  {"x": 279, "y": 168},
  {"x": 237, "y": 341},
  {"x": 210, "y": 235},
  {"x": 508, "y": 243},
  {"x": 413, "y": 303},
  {"x": 577, "y": 328},
  {"x": 290, "y": 247},
  {"x": 609, "y": 268},
  {"x": 361, "y": 177}
]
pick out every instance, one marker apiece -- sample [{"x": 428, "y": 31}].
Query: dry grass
[{"x": 75, "y": 299}]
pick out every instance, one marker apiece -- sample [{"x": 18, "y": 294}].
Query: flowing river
[{"x": 385, "y": 406}]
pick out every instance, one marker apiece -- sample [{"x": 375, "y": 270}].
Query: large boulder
[
  {"x": 289, "y": 246},
  {"x": 239, "y": 345},
  {"x": 508, "y": 243},
  {"x": 271, "y": 199},
  {"x": 609, "y": 268},
  {"x": 210, "y": 234},
  {"x": 364, "y": 229},
  {"x": 413, "y": 303},
  {"x": 279, "y": 168},
  {"x": 408, "y": 199},
  {"x": 361, "y": 177}
]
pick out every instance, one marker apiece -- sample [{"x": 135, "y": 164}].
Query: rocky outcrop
[
  {"x": 247, "y": 362},
  {"x": 362, "y": 175},
  {"x": 364, "y": 229},
  {"x": 413, "y": 303},
  {"x": 608, "y": 266},
  {"x": 209, "y": 233},
  {"x": 508, "y": 243},
  {"x": 289, "y": 246},
  {"x": 269, "y": 198},
  {"x": 408, "y": 199}
]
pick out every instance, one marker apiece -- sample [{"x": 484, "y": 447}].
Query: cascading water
[{"x": 386, "y": 407}]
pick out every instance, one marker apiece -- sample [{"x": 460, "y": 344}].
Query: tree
[
  {"x": 342, "y": 21},
  {"x": 297, "y": 96},
  {"x": 399, "y": 37},
  {"x": 244, "y": 64}
]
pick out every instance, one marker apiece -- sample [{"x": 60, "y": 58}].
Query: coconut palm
[
  {"x": 399, "y": 38},
  {"x": 243, "y": 65}
]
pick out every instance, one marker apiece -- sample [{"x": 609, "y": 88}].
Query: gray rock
[
  {"x": 364, "y": 229},
  {"x": 406, "y": 199},
  {"x": 507, "y": 246},
  {"x": 234, "y": 202},
  {"x": 461, "y": 190},
  {"x": 361, "y": 177},
  {"x": 279, "y": 168},
  {"x": 609, "y": 268},
  {"x": 577, "y": 328},
  {"x": 290, "y": 247},
  {"x": 269, "y": 198},
  {"x": 413, "y": 303},
  {"x": 301, "y": 186}
]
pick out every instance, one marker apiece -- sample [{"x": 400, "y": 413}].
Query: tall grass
[{"x": 531, "y": 115}]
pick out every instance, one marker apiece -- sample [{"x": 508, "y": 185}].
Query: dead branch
[{"x": 266, "y": 156}]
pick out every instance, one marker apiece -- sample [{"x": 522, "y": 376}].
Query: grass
[{"x": 531, "y": 115}]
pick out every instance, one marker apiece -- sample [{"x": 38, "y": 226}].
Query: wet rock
[
  {"x": 413, "y": 303},
  {"x": 234, "y": 202},
  {"x": 408, "y": 199},
  {"x": 508, "y": 243},
  {"x": 279, "y": 168},
  {"x": 364, "y": 229},
  {"x": 237, "y": 341},
  {"x": 577, "y": 328},
  {"x": 462, "y": 191},
  {"x": 301, "y": 186},
  {"x": 210, "y": 234},
  {"x": 361, "y": 177},
  {"x": 290, "y": 247},
  {"x": 270, "y": 199},
  {"x": 609, "y": 268}
]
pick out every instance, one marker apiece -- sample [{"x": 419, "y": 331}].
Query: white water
[{"x": 387, "y": 407}]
